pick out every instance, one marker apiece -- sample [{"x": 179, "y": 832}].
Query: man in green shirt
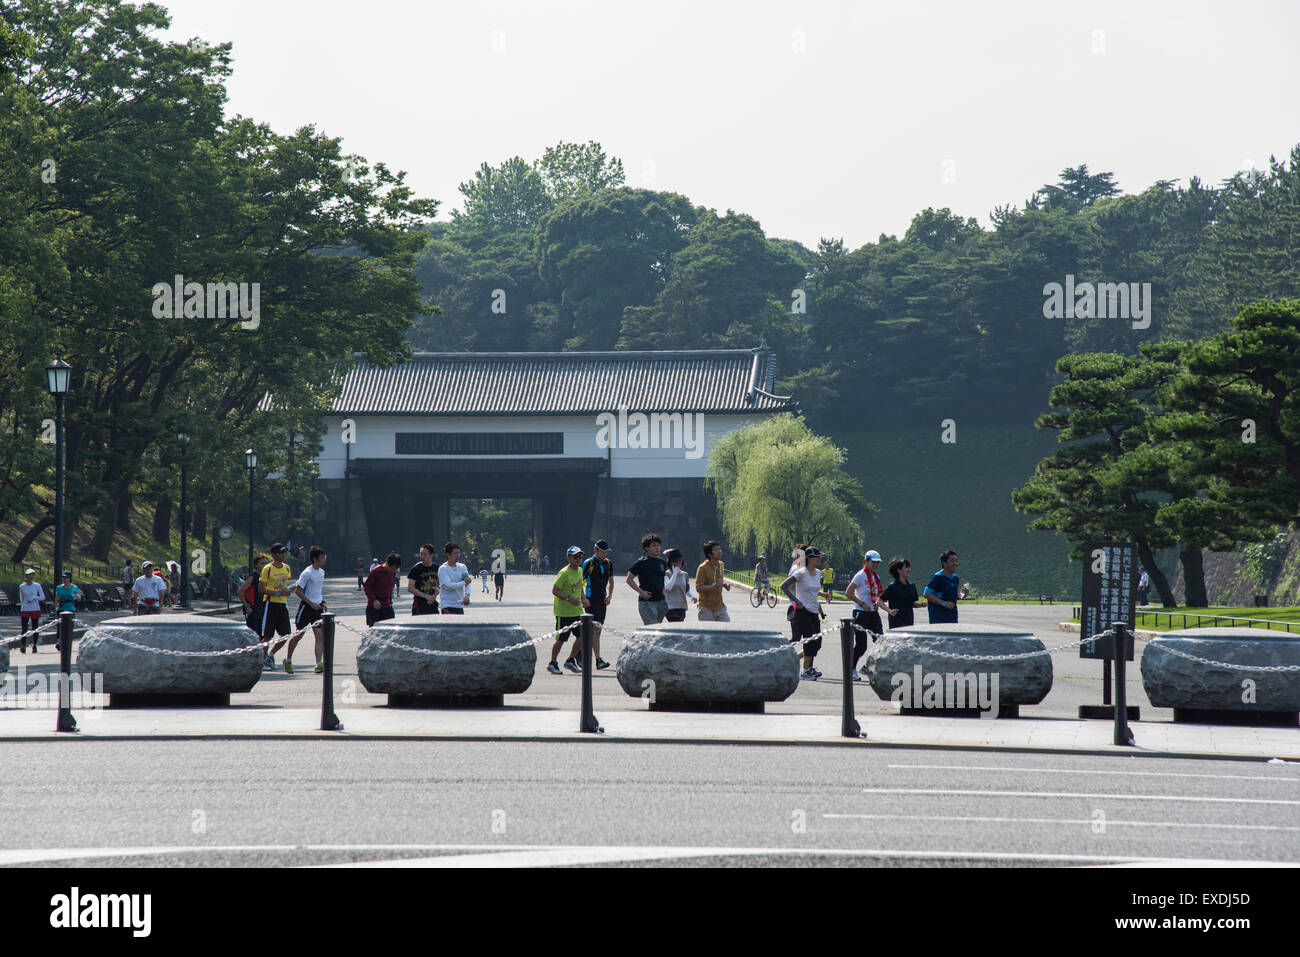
[{"x": 567, "y": 589}]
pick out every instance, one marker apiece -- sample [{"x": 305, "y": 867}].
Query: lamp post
[
  {"x": 250, "y": 460},
  {"x": 185, "y": 517},
  {"x": 58, "y": 377}
]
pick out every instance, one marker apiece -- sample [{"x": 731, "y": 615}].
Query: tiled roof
[{"x": 564, "y": 383}]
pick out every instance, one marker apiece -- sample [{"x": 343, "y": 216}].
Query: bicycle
[{"x": 763, "y": 593}]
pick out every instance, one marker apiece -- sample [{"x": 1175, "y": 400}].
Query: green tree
[
  {"x": 777, "y": 484},
  {"x": 570, "y": 169}
]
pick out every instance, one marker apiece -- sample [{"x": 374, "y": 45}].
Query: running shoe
[
  {"x": 856, "y": 676},
  {"x": 320, "y": 668},
  {"x": 601, "y": 664},
  {"x": 807, "y": 675},
  {"x": 816, "y": 673},
  {"x": 573, "y": 666},
  {"x": 288, "y": 666},
  {"x": 268, "y": 663},
  {"x": 554, "y": 669}
]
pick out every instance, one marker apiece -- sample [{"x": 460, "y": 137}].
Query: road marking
[
  {"x": 1076, "y": 794},
  {"x": 1059, "y": 820},
  {"x": 567, "y": 855},
  {"x": 1154, "y": 774},
  {"x": 36, "y": 855}
]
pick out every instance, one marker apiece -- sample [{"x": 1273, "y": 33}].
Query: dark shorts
[
  {"x": 561, "y": 623},
  {"x": 382, "y": 614},
  {"x": 598, "y": 608},
  {"x": 148, "y": 609},
  {"x": 803, "y": 624},
  {"x": 675, "y": 614},
  {"x": 275, "y": 620},
  {"x": 453, "y": 611},
  {"x": 499, "y": 579},
  {"x": 306, "y": 615},
  {"x": 422, "y": 607}
]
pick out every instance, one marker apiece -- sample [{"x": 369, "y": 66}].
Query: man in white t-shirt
[
  {"x": 311, "y": 596},
  {"x": 148, "y": 591},
  {"x": 865, "y": 591},
  {"x": 453, "y": 582}
]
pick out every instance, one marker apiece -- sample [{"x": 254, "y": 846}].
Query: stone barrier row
[{"x": 928, "y": 669}]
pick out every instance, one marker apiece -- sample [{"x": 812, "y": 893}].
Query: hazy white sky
[{"x": 818, "y": 118}]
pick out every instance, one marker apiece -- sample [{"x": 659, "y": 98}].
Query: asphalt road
[
  {"x": 335, "y": 802},
  {"x": 528, "y": 602}
]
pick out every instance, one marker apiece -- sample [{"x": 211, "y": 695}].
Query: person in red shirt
[{"x": 379, "y": 590}]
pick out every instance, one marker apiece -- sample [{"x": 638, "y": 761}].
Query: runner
[
  {"x": 251, "y": 597},
  {"x": 33, "y": 596},
  {"x": 598, "y": 592},
  {"x": 422, "y": 582},
  {"x": 677, "y": 586},
  {"x": 453, "y": 582},
  {"x": 128, "y": 577},
  {"x": 274, "y": 586},
  {"x": 379, "y": 590},
  {"x": 567, "y": 589},
  {"x": 310, "y": 590},
  {"x": 499, "y": 579},
  {"x": 649, "y": 571},
  {"x": 901, "y": 597},
  {"x": 943, "y": 591},
  {"x": 483, "y": 574},
  {"x": 66, "y": 597},
  {"x": 147, "y": 591},
  {"x": 828, "y": 580},
  {"x": 710, "y": 582},
  {"x": 864, "y": 592},
  {"x": 802, "y": 587}
]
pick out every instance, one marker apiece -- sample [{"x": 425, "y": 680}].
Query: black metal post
[
  {"x": 329, "y": 721},
  {"x": 1105, "y": 681},
  {"x": 849, "y": 727},
  {"x": 58, "y": 490},
  {"x": 185, "y": 555},
  {"x": 65, "y": 720},
  {"x": 1123, "y": 736},
  {"x": 587, "y": 631},
  {"x": 250, "y": 521}
]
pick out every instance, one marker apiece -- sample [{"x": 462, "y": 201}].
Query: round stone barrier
[
  {"x": 652, "y": 666},
  {"x": 916, "y": 667},
  {"x": 1213, "y": 694},
  {"x": 412, "y": 679},
  {"x": 135, "y": 677}
]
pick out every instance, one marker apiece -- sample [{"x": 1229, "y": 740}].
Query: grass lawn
[{"x": 1277, "y": 618}]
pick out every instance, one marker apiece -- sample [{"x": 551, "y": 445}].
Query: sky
[{"x": 817, "y": 118}]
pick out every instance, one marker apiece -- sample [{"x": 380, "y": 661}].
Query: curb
[
  {"x": 1112, "y": 751},
  {"x": 1073, "y": 628}
]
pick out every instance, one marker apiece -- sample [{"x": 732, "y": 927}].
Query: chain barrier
[
  {"x": 439, "y": 653},
  {"x": 262, "y": 647},
  {"x": 635, "y": 640}
]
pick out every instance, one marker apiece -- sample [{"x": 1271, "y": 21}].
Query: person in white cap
[
  {"x": 32, "y": 596},
  {"x": 148, "y": 591},
  {"x": 864, "y": 591}
]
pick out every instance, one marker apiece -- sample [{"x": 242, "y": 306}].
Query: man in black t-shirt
[
  {"x": 900, "y": 597},
  {"x": 422, "y": 582},
  {"x": 598, "y": 591},
  {"x": 649, "y": 585}
]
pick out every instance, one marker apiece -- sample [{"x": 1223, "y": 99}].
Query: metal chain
[
  {"x": 261, "y": 647},
  {"x": 1157, "y": 643},
  {"x": 439, "y": 653}
]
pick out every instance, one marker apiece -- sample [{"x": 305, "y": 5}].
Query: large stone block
[
  {"x": 900, "y": 666},
  {"x": 386, "y": 667},
  {"x": 131, "y": 670},
  {"x": 1173, "y": 681},
  {"x": 668, "y": 655}
]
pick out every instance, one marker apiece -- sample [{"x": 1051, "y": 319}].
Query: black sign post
[{"x": 1110, "y": 577}]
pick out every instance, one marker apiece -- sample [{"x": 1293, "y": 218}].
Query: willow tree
[{"x": 779, "y": 484}]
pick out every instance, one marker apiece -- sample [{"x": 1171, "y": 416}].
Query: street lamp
[
  {"x": 250, "y": 460},
  {"x": 185, "y": 554},
  {"x": 58, "y": 376}
]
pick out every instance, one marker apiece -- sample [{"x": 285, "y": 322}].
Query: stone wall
[{"x": 681, "y": 511}]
